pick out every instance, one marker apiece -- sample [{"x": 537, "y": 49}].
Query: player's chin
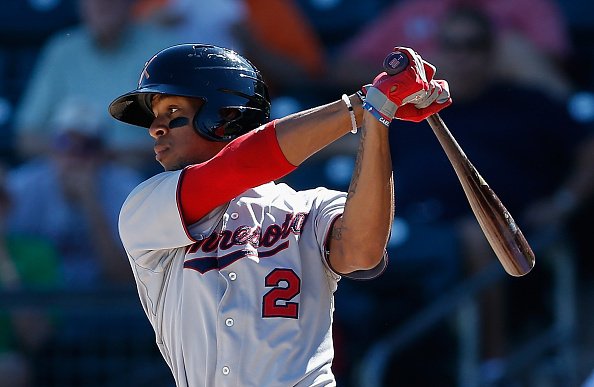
[
  {"x": 162, "y": 161},
  {"x": 167, "y": 165},
  {"x": 172, "y": 166}
]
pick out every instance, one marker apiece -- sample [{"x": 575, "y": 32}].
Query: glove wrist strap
[{"x": 375, "y": 113}]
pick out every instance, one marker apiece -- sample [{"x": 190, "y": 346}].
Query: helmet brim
[
  {"x": 134, "y": 107},
  {"x": 131, "y": 108}
]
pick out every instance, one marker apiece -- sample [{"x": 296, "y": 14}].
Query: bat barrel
[{"x": 500, "y": 229}]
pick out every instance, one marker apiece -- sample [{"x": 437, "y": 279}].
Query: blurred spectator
[
  {"x": 195, "y": 21},
  {"x": 336, "y": 21},
  {"x": 296, "y": 43},
  {"x": 24, "y": 26},
  {"x": 89, "y": 63},
  {"x": 73, "y": 196},
  {"x": 282, "y": 43},
  {"x": 532, "y": 39},
  {"x": 26, "y": 263}
]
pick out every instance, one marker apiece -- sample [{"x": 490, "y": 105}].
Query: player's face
[{"x": 176, "y": 142}]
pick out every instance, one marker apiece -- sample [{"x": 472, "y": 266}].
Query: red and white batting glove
[
  {"x": 437, "y": 99},
  {"x": 410, "y": 94}
]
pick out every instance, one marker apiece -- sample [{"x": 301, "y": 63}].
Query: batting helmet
[{"x": 234, "y": 94}]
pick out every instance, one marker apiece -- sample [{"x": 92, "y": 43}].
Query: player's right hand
[{"x": 410, "y": 94}]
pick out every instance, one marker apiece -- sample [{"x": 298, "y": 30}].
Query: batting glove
[
  {"x": 438, "y": 98},
  {"x": 388, "y": 96}
]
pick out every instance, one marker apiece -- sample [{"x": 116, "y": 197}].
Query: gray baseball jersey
[{"x": 244, "y": 297}]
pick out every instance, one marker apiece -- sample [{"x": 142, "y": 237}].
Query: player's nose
[{"x": 158, "y": 128}]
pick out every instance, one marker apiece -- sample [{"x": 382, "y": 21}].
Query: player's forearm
[
  {"x": 359, "y": 238},
  {"x": 302, "y": 134}
]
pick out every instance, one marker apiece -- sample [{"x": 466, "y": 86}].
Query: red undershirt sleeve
[{"x": 246, "y": 162}]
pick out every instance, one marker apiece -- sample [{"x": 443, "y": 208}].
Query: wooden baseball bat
[{"x": 502, "y": 232}]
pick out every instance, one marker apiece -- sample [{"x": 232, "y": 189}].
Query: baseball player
[{"x": 236, "y": 273}]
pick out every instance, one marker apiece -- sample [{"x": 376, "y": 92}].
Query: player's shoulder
[
  {"x": 167, "y": 181},
  {"x": 321, "y": 193},
  {"x": 283, "y": 189},
  {"x": 283, "y": 195}
]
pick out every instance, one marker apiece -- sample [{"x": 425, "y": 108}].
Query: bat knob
[{"x": 395, "y": 62}]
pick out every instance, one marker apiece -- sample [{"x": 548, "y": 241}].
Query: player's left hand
[
  {"x": 410, "y": 95},
  {"x": 436, "y": 99}
]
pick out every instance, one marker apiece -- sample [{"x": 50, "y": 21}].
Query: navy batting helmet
[{"x": 234, "y": 94}]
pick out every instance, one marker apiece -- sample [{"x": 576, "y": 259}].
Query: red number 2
[{"x": 276, "y": 302}]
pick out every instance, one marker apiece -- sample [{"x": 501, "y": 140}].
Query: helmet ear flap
[
  {"x": 224, "y": 125},
  {"x": 235, "y": 117},
  {"x": 230, "y": 114}
]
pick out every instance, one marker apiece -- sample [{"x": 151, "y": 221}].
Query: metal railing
[
  {"x": 101, "y": 338},
  {"x": 461, "y": 304}
]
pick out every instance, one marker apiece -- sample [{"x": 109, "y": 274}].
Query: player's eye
[{"x": 173, "y": 110}]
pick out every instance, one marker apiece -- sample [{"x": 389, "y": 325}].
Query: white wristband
[{"x": 347, "y": 101}]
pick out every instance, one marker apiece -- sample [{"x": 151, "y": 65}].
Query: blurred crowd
[{"x": 521, "y": 77}]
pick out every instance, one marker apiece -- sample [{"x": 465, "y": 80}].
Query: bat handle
[{"x": 395, "y": 62}]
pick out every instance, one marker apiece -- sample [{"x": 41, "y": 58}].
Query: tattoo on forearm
[
  {"x": 357, "y": 170},
  {"x": 340, "y": 227},
  {"x": 337, "y": 232}
]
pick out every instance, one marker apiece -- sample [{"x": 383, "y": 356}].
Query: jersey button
[
  {"x": 226, "y": 370},
  {"x": 234, "y": 215},
  {"x": 229, "y": 322},
  {"x": 232, "y": 276}
]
